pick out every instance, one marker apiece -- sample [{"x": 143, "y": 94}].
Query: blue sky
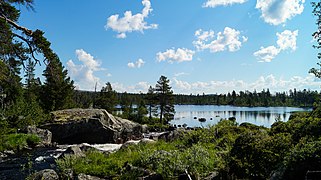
[{"x": 210, "y": 46}]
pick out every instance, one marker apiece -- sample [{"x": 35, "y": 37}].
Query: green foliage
[
  {"x": 297, "y": 98},
  {"x": 255, "y": 154},
  {"x": 165, "y": 101},
  {"x": 107, "y": 98},
  {"x": 305, "y": 156},
  {"x": 58, "y": 89},
  {"x": 17, "y": 142}
]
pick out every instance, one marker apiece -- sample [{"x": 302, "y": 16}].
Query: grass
[
  {"x": 18, "y": 141},
  {"x": 197, "y": 152}
]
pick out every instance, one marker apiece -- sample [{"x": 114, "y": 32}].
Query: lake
[{"x": 264, "y": 116}]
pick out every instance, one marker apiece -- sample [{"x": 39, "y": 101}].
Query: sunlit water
[{"x": 264, "y": 116}]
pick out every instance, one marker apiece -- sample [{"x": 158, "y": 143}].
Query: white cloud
[
  {"x": 276, "y": 12},
  {"x": 138, "y": 64},
  {"x": 229, "y": 40},
  {"x": 214, "y": 3},
  {"x": 83, "y": 74},
  {"x": 136, "y": 88},
  {"x": 180, "y": 74},
  {"x": 172, "y": 55},
  {"x": 263, "y": 82},
  {"x": 286, "y": 40},
  {"x": 130, "y": 22},
  {"x": 267, "y": 54}
]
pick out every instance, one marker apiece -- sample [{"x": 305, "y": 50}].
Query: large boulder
[
  {"x": 44, "y": 134},
  {"x": 75, "y": 126},
  {"x": 46, "y": 174}
]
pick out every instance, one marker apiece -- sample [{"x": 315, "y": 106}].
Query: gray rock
[
  {"x": 128, "y": 143},
  {"x": 73, "y": 150},
  {"x": 46, "y": 174},
  {"x": 212, "y": 175},
  {"x": 152, "y": 177},
  {"x": 87, "y": 177},
  {"x": 44, "y": 134},
  {"x": 97, "y": 126},
  {"x": 147, "y": 141}
]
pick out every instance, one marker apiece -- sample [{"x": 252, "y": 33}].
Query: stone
[
  {"x": 94, "y": 126},
  {"x": 212, "y": 175},
  {"x": 73, "y": 150},
  {"x": 46, "y": 174},
  {"x": 128, "y": 143},
  {"x": 146, "y": 141},
  {"x": 44, "y": 134},
  {"x": 87, "y": 177},
  {"x": 152, "y": 177}
]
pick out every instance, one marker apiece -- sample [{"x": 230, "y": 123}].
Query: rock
[
  {"x": 73, "y": 150},
  {"x": 130, "y": 168},
  {"x": 146, "y": 141},
  {"x": 44, "y": 134},
  {"x": 145, "y": 128},
  {"x": 212, "y": 175},
  {"x": 94, "y": 126},
  {"x": 170, "y": 135},
  {"x": 46, "y": 174},
  {"x": 128, "y": 143},
  {"x": 87, "y": 177},
  {"x": 152, "y": 177}
]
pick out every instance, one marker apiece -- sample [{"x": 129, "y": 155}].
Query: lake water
[{"x": 264, "y": 116}]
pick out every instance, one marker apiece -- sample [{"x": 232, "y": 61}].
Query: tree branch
[
  {"x": 29, "y": 45},
  {"x": 17, "y": 26}
]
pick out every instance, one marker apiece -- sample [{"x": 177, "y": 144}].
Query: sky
[{"x": 201, "y": 46}]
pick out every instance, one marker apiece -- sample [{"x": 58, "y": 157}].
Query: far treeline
[{"x": 293, "y": 98}]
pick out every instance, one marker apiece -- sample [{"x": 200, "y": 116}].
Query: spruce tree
[
  {"x": 107, "y": 98},
  {"x": 165, "y": 99},
  {"x": 151, "y": 100},
  {"x": 58, "y": 89}
]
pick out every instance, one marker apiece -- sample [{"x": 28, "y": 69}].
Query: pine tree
[
  {"x": 58, "y": 89},
  {"x": 165, "y": 100},
  {"x": 141, "y": 112},
  {"x": 107, "y": 98},
  {"x": 151, "y": 102}
]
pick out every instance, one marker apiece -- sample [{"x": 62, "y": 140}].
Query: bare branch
[
  {"x": 31, "y": 49},
  {"x": 17, "y": 26}
]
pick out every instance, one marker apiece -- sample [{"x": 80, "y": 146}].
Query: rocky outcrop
[
  {"x": 97, "y": 126},
  {"x": 87, "y": 177},
  {"x": 46, "y": 174},
  {"x": 44, "y": 134}
]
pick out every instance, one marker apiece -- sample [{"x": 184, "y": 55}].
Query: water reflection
[{"x": 264, "y": 116}]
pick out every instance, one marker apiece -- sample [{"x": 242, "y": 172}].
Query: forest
[{"x": 292, "y": 98}]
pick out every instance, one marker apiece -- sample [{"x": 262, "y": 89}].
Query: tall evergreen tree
[
  {"x": 107, "y": 98},
  {"x": 165, "y": 100},
  {"x": 58, "y": 89},
  {"x": 151, "y": 102}
]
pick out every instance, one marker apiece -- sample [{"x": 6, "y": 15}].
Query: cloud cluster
[
  {"x": 138, "y": 64},
  {"x": 276, "y": 12},
  {"x": 130, "y": 22},
  {"x": 229, "y": 39},
  {"x": 214, "y": 3},
  {"x": 178, "y": 55},
  {"x": 83, "y": 74},
  {"x": 136, "y": 88},
  {"x": 271, "y": 82},
  {"x": 286, "y": 41},
  {"x": 263, "y": 82}
]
